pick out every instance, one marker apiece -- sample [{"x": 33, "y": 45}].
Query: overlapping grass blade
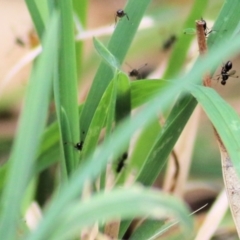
[{"x": 30, "y": 129}]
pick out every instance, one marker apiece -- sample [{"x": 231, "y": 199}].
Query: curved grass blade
[{"x": 124, "y": 203}]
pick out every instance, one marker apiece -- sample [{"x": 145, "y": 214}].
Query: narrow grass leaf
[{"x": 31, "y": 126}]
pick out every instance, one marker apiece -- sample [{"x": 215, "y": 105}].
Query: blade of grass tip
[
  {"x": 36, "y": 17},
  {"x": 181, "y": 47},
  {"x": 65, "y": 90},
  {"x": 30, "y": 129},
  {"x": 118, "y": 46}
]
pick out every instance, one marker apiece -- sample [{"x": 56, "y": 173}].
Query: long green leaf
[{"x": 30, "y": 129}]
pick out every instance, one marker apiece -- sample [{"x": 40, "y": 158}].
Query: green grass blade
[
  {"x": 167, "y": 138},
  {"x": 124, "y": 203},
  {"x": 65, "y": 90},
  {"x": 30, "y": 129},
  {"x": 224, "y": 119},
  {"x": 118, "y": 46}
]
